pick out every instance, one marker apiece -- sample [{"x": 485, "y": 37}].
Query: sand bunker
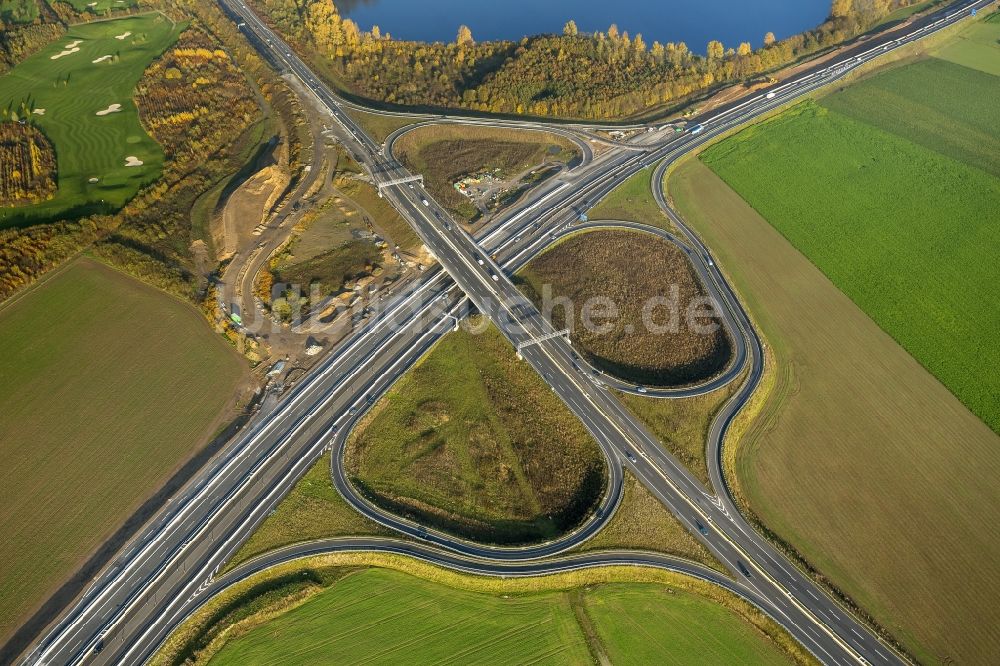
[
  {"x": 102, "y": 59},
  {"x": 69, "y": 49},
  {"x": 38, "y": 112},
  {"x": 123, "y": 35},
  {"x": 92, "y": 180},
  {"x": 132, "y": 160},
  {"x": 114, "y": 108}
]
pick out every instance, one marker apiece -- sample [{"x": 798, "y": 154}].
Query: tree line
[{"x": 602, "y": 75}]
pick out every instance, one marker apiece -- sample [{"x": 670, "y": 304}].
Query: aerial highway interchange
[{"x": 171, "y": 567}]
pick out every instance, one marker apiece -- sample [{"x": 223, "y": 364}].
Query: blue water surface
[{"x": 694, "y": 22}]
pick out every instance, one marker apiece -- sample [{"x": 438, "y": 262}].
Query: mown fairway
[
  {"x": 108, "y": 385},
  {"x": 473, "y": 441},
  {"x": 99, "y": 6},
  {"x": 62, "y": 96},
  {"x": 623, "y": 271},
  {"x": 378, "y": 616},
  {"x": 861, "y": 459},
  {"x": 906, "y": 230}
]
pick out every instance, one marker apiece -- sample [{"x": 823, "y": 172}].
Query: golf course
[{"x": 78, "y": 92}]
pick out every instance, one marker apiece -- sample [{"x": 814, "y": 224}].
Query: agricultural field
[
  {"x": 472, "y": 441},
  {"x": 631, "y": 269},
  {"x": 869, "y": 207},
  {"x": 78, "y": 91},
  {"x": 91, "y": 429},
  {"x": 377, "y": 615},
  {"x": 977, "y": 46},
  {"x": 445, "y": 154},
  {"x": 945, "y": 117},
  {"x": 859, "y": 458}
]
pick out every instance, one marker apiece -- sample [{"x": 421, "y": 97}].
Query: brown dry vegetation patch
[
  {"x": 445, "y": 154},
  {"x": 629, "y": 268},
  {"x": 27, "y": 165}
]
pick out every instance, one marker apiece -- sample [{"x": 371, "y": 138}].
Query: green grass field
[
  {"x": 99, "y": 6},
  {"x": 978, "y": 46},
  {"x": 906, "y": 232},
  {"x": 474, "y": 441},
  {"x": 108, "y": 386},
  {"x": 62, "y": 97},
  {"x": 860, "y": 458},
  {"x": 640, "y": 624},
  {"x": 947, "y": 117},
  {"x": 377, "y": 616}
]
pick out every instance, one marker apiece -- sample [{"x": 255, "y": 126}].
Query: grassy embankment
[
  {"x": 682, "y": 424},
  {"x": 632, "y": 201},
  {"x": 472, "y": 441},
  {"x": 643, "y": 523},
  {"x": 312, "y": 510},
  {"x": 326, "y": 609},
  {"x": 378, "y": 126},
  {"x": 624, "y": 337},
  {"x": 62, "y": 97},
  {"x": 859, "y": 457},
  {"x": 91, "y": 428},
  {"x": 446, "y": 153}
]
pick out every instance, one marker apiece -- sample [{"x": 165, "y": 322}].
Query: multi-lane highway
[{"x": 158, "y": 578}]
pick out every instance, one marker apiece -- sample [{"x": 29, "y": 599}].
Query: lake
[{"x": 694, "y": 22}]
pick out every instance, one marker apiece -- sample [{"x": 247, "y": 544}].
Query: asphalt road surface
[{"x": 157, "y": 578}]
